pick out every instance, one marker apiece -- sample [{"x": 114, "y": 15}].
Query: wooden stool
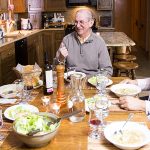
[
  {"x": 126, "y": 67},
  {"x": 124, "y": 57}
]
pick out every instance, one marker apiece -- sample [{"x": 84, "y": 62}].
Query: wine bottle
[{"x": 48, "y": 77}]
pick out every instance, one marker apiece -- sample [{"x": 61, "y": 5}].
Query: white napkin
[{"x": 7, "y": 101}]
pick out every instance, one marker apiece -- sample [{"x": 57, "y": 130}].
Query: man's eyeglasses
[{"x": 81, "y": 22}]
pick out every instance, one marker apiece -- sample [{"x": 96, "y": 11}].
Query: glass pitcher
[{"x": 76, "y": 101}]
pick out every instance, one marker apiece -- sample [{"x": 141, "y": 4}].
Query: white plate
[
  {"x": 132, "y": 126},
  {"x": 8, "y": 91},
  {"x": 125, "y": 89},
  {"x": 39, "y": 85},
  {"x": 15, "y": 111},
  {"x": 92, "y": 81},
  {"x": 68, "y": 74}
]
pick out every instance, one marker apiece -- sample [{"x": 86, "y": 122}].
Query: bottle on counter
[
  {"x": 29, "y": 25},
  {"x": 48, "y": 77}
]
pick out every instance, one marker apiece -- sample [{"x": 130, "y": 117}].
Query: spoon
[
  {"x": 128, "y": 119},
  {"x": 32, "y": 132}
]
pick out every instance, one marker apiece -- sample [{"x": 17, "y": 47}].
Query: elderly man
[{"x": 83, "y": 49}]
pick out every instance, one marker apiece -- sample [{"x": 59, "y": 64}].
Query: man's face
[{"x": 82, "y": 24}]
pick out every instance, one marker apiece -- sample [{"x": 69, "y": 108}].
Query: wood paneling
[{"x": 123, "y": 16}]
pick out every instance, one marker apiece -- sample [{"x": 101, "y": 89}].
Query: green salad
[{"x": 32, "y": 122}]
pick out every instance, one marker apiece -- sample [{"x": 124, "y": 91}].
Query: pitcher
[{"x": 77, "y": 98}]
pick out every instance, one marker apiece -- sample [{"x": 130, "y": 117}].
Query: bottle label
[{"x": 49, "y": 79}]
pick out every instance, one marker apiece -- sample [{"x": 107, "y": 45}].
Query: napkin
[{"x": 7, "y": 101}]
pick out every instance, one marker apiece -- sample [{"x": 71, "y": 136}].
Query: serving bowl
[
  {"x": 125, "y": 89},
  {"x": 135, "y": 135},
  {"x": 40, "y": 138}
]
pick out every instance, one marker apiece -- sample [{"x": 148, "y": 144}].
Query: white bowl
[
  {"x": 125, "y": 89},
  {"x": 132, "y": 126},
  {"x": 38, "y": 140}
]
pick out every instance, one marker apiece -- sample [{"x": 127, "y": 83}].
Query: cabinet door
[
  {"x": 35, "y": 18},
  {"x": 3, "y": 6},
  {"x": 20, "y": 6},
  {"x": 55, "y": 5},
  {"x": 35, "y": 5},
  {"x": 7, "y": 57}
]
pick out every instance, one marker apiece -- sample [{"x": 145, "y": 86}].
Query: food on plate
[
  {"x": 126, "y": 91},
  {"x": 16, "y": 111},
  {"x": 33, "y": 122},
  {"x": 129, "y": 137}
]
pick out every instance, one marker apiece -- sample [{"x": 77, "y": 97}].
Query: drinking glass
[
  {"x": 1, "y": 122},
  {"x": 101, "y": 82},
  {"x": 94, "y": 122},
  {"x": 19, "y": 88},
  {"x": 28, "y": 85}
]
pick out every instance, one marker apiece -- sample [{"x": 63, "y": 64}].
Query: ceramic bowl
[
  {"x": 38, "y": 140},
  {"x": 125, "y": 89}
]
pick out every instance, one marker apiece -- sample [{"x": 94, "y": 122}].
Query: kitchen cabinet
[
  {"x": 55, "y": 5},
  {"x": 7, "y": 62},
  {"x": 3, "y": 6},
  {"x": 20, "y": 6},
  {"x": 35, "y": 49},
  {"x": 36, "y": 19},
  {"x": 51, "y": 42},
  {"x": 106, "y": 8},
  {"x": 35, "y": 5}
]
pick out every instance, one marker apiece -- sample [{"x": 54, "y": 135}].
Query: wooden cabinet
[
  {"x": 3, "y": 6},
  {"x": 20, "y": 6},
  {"x": 35, "y": 49},
  {"x": 55, "y": 5},
  {"x": 106, "y": 8},
  {"x": 35, "y": 5},
  {"x": 7, "y": 62},
  {"x": 51, "y": 42}
]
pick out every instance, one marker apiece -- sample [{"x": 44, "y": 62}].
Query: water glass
[{"x": 19, "y": 88}]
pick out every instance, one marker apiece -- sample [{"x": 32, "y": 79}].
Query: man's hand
[
  {"x": 63, "y": 52},
  {"x": 131, "y": 103}
]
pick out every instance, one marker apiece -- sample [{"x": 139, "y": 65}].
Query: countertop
[{"x": 20, "y": 34}]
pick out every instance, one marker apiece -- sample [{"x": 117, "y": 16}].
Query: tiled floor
[{"x": 144, "y": 64}]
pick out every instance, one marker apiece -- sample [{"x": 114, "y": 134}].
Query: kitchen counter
[{"x": 20, "y": 34}]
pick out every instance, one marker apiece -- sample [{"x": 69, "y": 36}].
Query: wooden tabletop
[{"x": 74, "y": 136}]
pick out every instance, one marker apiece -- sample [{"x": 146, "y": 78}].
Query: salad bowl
[{"x": 40, "y": 123}]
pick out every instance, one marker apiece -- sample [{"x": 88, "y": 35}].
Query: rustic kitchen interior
[{"x": 28, "y": 28}]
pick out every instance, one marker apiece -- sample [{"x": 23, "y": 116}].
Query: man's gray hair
[{"x": 88, "y": 14}]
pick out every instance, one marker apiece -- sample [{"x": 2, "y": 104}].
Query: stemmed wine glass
[
  {"x": 19, "y": 88},
  {"x": 101, "y": 82}
]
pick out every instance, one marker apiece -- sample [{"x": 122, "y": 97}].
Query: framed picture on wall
[{"x": 104, "y": 4}]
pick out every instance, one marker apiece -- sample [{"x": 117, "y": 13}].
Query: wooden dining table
[{"x": 74, "y": 136}]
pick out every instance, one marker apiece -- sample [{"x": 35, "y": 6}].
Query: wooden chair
[
  {"x": 125, "y": 57},
  {"x": 125, "y": 67}
]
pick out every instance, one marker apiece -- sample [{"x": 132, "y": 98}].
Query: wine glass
[
  {"x": 94, "y": 122},
  {"x": 28, "y": 85},
  {"x": 19, "y": 88},
  {"x": 101, "y": 105},
  {"x": 101, "y": 82}
]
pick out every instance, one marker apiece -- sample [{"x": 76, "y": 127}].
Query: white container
[{"x": 24, "y": 23}]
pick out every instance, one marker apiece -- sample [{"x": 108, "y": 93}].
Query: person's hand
[
  {"x": 131, "y": 103},
  {"x": 63, "y": 52},
  {"x": 129, "y": 81}
]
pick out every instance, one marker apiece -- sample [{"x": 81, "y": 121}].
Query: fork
[{"x": 128, "y": 119}]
